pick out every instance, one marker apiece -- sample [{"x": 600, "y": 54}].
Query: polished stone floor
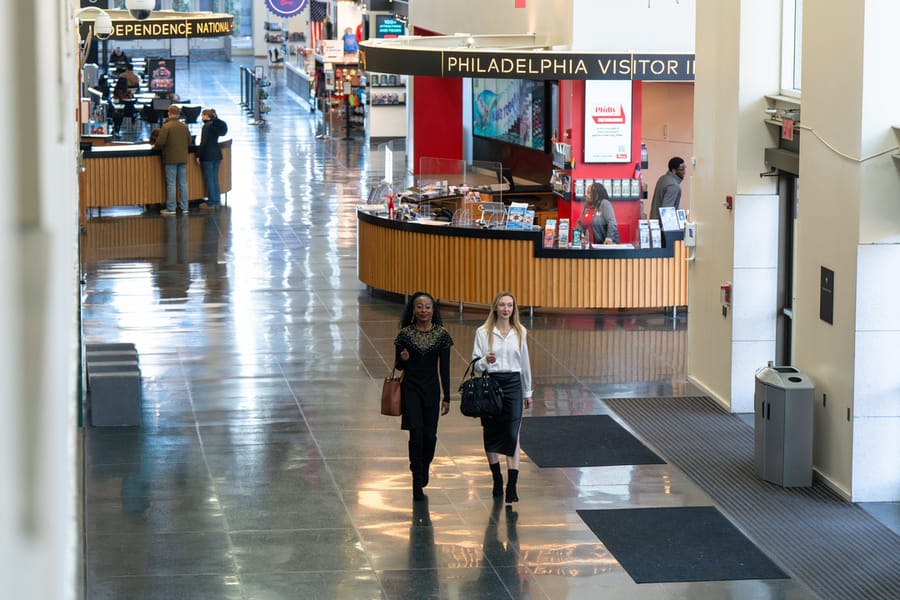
[{"x": 263, "y": 469}]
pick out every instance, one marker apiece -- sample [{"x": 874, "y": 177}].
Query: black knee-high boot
[
  {"x": 498, "y": 480},
  {"x": 415, "y": 465},
  {"x": 429, "y": 446},
  {"x": 511, "y": 495}
]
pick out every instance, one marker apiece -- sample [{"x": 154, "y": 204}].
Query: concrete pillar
[
  {"x": 850, "y": 223},
  {"x": 737, "y": 65}
]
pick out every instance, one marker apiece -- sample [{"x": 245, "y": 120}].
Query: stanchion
[
  {"x": 347, "y": 116},
  {"x": 326, "y": 127}
]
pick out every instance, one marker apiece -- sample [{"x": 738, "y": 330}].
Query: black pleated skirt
[{"x": 501, "y": 433}]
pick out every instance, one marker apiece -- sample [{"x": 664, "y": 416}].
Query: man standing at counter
[
  {"x": 173, "y": 141},
  {"x": 668, "y": 187}
]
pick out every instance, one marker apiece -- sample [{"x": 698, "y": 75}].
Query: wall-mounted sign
[
  {"x": 286, "y": 8},
  {"x": 607, "y": 121},
  {"x": 386, "y": 26},
  {"x": 166, "y": 24},
  {"x": 331, "y": 50},
  {"x": 527, "y": 64}
]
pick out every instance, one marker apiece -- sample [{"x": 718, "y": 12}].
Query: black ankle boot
[
  {"x": 418, "y": 494},
  {"x": 498, "y": 480},
  {"x": 511, "y": 495}
]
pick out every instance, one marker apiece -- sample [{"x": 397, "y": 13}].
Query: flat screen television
[
  {"x": 510, "y": 110},
  {"x": 386, "y": 26},
  {"x": 162, "y": 75}
]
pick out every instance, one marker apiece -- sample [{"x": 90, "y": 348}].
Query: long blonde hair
[{"x": 514, "y": 322}]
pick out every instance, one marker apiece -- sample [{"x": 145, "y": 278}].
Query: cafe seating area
[{"x": 132, "y": 120}]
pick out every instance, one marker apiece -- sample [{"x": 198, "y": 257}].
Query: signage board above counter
[
  {"x": 405, "y": 58},
  {"x": 168, "y": 24}
]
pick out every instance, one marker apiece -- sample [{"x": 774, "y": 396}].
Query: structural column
[{"x": 849, "y": 224}]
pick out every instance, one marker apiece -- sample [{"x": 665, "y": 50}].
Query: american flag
[{"x": 318, "y": 12}]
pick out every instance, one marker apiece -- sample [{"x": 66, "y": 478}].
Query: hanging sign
[
  {"x": 787, "y": 130},
  {"x": 286, "y": 8}
]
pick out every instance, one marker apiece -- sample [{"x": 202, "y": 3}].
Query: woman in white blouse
[{"x": 501, "y": 348}]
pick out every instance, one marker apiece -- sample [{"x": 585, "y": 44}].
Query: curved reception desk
[
  {"x": 470, "y": 265},
  {"x": 126, "y": 175}
]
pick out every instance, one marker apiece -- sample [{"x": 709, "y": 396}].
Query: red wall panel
[{"x": 437, "y": 118}]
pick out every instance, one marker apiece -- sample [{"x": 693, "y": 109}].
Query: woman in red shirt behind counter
[{"x": 598, "y": 220}]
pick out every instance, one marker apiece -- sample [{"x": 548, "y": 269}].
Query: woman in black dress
[
  {"x": 422, "y": 352},
  {"x": 502, "y": 350}
]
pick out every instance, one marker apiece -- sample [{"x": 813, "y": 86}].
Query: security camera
[
  {"x": 140, "y": 9},
  {"x": 103, "y": 26}
]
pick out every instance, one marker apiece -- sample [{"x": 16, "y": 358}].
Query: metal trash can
[{"x": 783, "y": 407}]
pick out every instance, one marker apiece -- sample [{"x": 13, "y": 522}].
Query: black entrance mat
[
  {"x": 693, "y": 543},
  {"x": 582, "y": 441}
]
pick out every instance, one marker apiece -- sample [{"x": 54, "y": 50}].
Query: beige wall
[
  {"x": 551, "y": 19},
  {"x": 667, "y": 127}
]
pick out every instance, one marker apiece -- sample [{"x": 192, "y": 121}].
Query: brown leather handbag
[{"x": 390, "y": 394}]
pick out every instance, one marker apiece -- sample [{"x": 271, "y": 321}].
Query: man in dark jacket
[
  {"x": 210, "y": 155},
  {"x": 173, "y": 141},
  {"x": 668, "y": 187}
]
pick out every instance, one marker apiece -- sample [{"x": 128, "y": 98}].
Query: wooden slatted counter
[
  {"x": 471, "y": 265},
  {"x": 133, "y": 175}
]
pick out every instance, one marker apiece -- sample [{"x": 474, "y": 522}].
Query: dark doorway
[{"x": 788, "y": 193}]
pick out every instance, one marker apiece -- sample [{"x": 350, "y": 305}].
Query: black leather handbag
[{"x": 481, "y": 396}]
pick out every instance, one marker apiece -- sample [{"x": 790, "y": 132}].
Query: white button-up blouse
[{"x": 511, "y": 355}]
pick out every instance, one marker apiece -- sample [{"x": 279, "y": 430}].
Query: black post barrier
[
  {"x": 347, "y": 115},
  {"x": 244, "y": 83}
]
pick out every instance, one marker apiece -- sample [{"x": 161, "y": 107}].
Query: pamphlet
[
  {"x": 655, "y": 234},
  {"x": 549, "y": 233},
  {"x": 643, "y": 233},
  {"x": 682, "y": 217},
  {"x": 635, "y": 188},
  {"x": 669, "y": 218},
  {"x": 576, "y": 238},
  {"x": 579, "y": 189},
  {"x": 607, "y": 183},
  {"x": 529, "y": 219},
  {"x": 515, "y": 218},
  {"x": 616, "y": 191},
  {"x": 563, "y": 233}
]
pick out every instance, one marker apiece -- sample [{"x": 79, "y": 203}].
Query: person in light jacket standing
[
  {"x": 210, "y": 155},
  {"x": 501, "y": 348},
  {"x": 174, "y": 141}
]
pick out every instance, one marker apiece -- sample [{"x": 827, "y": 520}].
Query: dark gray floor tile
[
  {"x": 168, "y": 587},
  {"x": 483, "y": 583},
  {"x": 143, "y": 515},
  {"x": 341, "y": 585},
  {"x": 311, "y": 510},
  {"x": 298, "y": 550},
  {"x": 193, "y": 553}
]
